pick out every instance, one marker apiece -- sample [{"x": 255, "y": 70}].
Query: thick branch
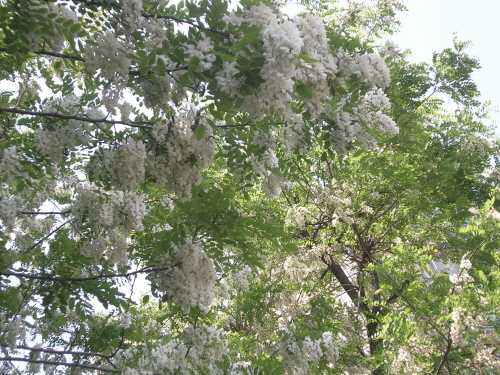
[{"x": 338, "y": 272}]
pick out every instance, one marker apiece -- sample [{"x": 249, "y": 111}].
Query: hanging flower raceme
[{"x": 187, "y": 276}]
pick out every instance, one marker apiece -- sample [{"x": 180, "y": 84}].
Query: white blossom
[{"x": 187, "y": 276}]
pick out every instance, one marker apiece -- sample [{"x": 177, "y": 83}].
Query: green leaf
[
  {"x": 161, "y": 68},
  {"x": 303, "y": 90},
  {"x": 226, "y": 57},
  {"x": 250, "y": 37},
  {"x": 74, "y": 28},
  {"x": 185, "y": 80},
  {"x": 225, "y": 103},
  {"x": 199, "y": 133},
  {"x": 247, "y": 90},
  {"x": 307, "y": 59}
]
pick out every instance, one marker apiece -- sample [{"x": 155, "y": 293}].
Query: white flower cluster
[
  {"x": 292, "y": 136},
  {"x": 179, "y": 160},
  {"x": 124, "y": 166},
  {"x": 132, "y": 10},
  {"x": 207, "y": 343},
  {"x": 125, "y": 108},
  {"x": 184, "y": 355},
  {"x": 188, "y": 276},
  {"x": 63, "y": 14},
  {"x": 10, "y": 165},
  {"x": 463, "y": 277},
  {"x": 335, "y": 203},
  {"x": 404, "y": 361},
  {"x": 125, "y": 319},
  {"x": 370, "y": 69},
  {"x": 457, "y": 325},
  {"x": 263, "y": 164},
  {"x": 203, "y": 51},
  {"x": 390, "y": 49},
  {"x": 316, "y": 74},
  {"x": 227, "y": 80},
  {"x": 9, "y": 206},
  {"x": 12, "y": 331},
  {"x": 379, "y": 99},
  {"x": 53, "y": 142},
  {"x": 466, "y": 264},
  {"x": 106, "y": 55},
  {"x": 155, "y": 32},
  {"x": 53, "y": 138},
  {"x": 241, "y": 278},
  {"x": 157, "y": 94},
  {"x": 298, "y": 357},
  {"x": 119, "y": 210},
  {"x": 58, "y": 12},
  {"x": 110, "y": 247},
  {"x": 297, "y": 216},
  {"x": 349, "y": 129},
  {"x": 486, "y": 360},
  {"x": 367, "y": 115},
  {"x": 480, "y": 145},
  {"x": 110, "y": 217},
  {"x": 283, "y": 42}
]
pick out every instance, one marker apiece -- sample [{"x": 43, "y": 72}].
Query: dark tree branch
[
  {"x": 80, "y": 279},
  {"x": 48, "y": 235},
  {"x": 138, "y": 73},
  {"x": 395, "y": 295},
  {"x": 50, "y": 53},
  {"x": 72, "y": 117},
  {"x": 43, "y": 213},
  {"x": 178, "y": 20},
  {"x": 68, "y": 364},
  {"x": 134, "y": 124},
  {"x": 445, "y": 357},
  {"x": 338, "y": 272},
  {"x": 53, "y": 351}
]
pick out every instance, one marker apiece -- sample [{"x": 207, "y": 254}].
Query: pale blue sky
[{"x": 428, "y": 26}]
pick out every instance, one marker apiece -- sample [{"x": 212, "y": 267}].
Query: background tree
[{"x": 281, "y": 185}]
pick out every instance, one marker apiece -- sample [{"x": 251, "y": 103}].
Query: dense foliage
[{"x": 207, "y": 188}]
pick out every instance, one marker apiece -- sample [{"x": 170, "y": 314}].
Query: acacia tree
[{"x": 280, "y": 185}]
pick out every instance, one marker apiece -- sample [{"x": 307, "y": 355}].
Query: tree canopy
[{"x": 203, "y": 187}]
